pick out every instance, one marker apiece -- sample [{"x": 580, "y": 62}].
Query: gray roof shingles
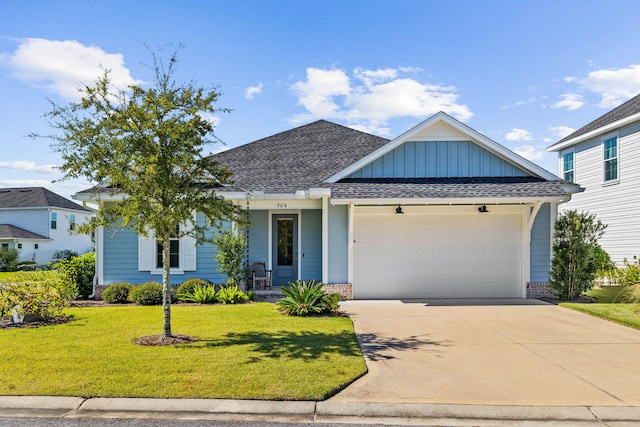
[
  {"x": 35, "y": 197},
  {"x": 8, "y": 231},
  {"x": 627, "y": 109}
]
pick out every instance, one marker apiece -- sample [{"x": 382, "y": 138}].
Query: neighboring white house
[
  {"x": 38, "y": 222},
  {"x": 604, "y": 158}
]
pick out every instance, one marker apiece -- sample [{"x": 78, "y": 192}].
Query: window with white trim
[
  {"x": 174, "y": 252},
  {"x": 54, "y": 220},
  {"x": 568, "y": 166},
  {"x": 611, "y": 159},
  {"x": 72, "y": 222}
]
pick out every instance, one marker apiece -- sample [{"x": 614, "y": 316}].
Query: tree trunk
[{"x": 166, "y": 283}]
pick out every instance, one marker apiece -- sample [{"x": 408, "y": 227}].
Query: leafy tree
[
  {"x": 8, "y": 259},
  {"x": 577, "y": 255},
  {"x": 147, "y": 144},
  {"x": 232, "y": 249}
]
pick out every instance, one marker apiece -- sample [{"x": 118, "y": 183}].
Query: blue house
[{"x": 441, "y": 211}]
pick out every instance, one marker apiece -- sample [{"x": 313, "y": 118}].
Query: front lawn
[
  {"x": 609, "y": 305},
  {"x": 245, "y": 352}
]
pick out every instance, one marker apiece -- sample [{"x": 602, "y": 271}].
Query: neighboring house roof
[
  {"x": 619, "y": 116},
  {"x": 35, "y": 197},
  {"x": 298, "y": 159},
  {"x": 8, "y": 231}
]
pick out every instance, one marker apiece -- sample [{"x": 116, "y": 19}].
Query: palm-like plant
[
  {"x": 303, "y": 298},
  {"x": 200, "y": 295}
]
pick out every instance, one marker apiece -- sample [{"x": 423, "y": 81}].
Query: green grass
[
  {"x": 245, "y": 352},
  {"x": 625, "y": 314},
  {"x": 607, "y": 294}
]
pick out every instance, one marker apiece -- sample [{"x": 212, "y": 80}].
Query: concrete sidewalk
[{"x": 316, "y": 412}]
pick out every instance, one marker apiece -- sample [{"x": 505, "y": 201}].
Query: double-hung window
[
  {"x": 174, "y": 252},
  {"x": 611, "y": 159},
  {"x": 72, "y": 222},
  {"x": 568, "y": 166},
  {"x": 54, "y": 220}
]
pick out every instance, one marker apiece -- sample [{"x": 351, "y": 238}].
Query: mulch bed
[
  {"x": 163, "y": 340},
  {"x": 7, "y": 323}
]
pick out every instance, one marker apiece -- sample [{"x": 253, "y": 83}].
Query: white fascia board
[
  {"x": 596, "y": 132},
  {"x": 487, "y": 143},
  {"x": 449, "y": 201},
  {"x": 318, "y": 193}
]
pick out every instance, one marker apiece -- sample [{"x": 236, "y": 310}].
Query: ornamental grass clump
[
  {"x": 304, "y": 298},
  {"x": 230, "y": 294},
  {"x": 200, "y": 295}
]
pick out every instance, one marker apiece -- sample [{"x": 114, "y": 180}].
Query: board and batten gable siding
[
  {"x": 338, "y": 244},
  {"x": 540, "y": 254},
  {"x": 438, "y": 159},
  {"x": 616, "y": 204},
  {"x": 34, "y": 220}
]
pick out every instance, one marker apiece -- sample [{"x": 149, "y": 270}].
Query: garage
[{"x": 437, "y": 252}]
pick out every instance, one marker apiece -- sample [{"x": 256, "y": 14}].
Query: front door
[{"x": 285, "y": 248}]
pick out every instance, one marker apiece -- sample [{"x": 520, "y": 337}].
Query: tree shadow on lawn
[{"x": 313, "y": 345}]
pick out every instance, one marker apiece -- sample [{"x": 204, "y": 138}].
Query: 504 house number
[{"x": 281, "y": 205}]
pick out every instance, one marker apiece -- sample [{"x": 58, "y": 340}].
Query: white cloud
[
  {"x": 27, "y": 166},
  {"x": 372, "y": 97},
  {"x": 252, "y": 91},
  {"x": 61, "y": 67},
  {"x": 614, "y": 86},
  {"x": 561, "y": 131},
  {"x": 530, "y": 152},
  {"x": 570, "y": 101},
  {"x": 518, "y": 135}
]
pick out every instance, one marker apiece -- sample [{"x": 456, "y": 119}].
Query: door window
[{"x": 285, "y": 241}]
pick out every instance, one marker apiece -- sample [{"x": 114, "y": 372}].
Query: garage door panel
[{"x": 445, "y": 256}]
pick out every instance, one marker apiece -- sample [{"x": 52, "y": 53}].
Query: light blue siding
[
  {"x": 338, "y": 244},
  {"x": 259, "y": 236},
  {"x": 311, "y": 245},
  {"x": 540, "y": 245},
  {"x": 438, "y": 159}
]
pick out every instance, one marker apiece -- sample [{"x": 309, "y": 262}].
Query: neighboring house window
[
  {"x": 19, "y": 245},
  {"x": 568, "y": 166},
  {"x": 5, "y": 246},
  {"x": 36, "y": 246},
  {"x": 72, "y": 222},
  {"x": 54, "y": 220},
  {"x": 174, "y": 252},
  {"x": 611, "y": 159}
]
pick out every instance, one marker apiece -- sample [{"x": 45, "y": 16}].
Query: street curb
[{"x": 40, "y": 406}]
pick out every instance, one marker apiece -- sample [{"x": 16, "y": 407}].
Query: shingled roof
[
  {"x": 35, "y": 197},
  {"x": 298, "y": 159},
  {"x": 627, "y": 109},
  {"x": 8, "y": 231}
]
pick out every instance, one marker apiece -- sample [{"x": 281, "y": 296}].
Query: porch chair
[{"x": 259, "y": 276}]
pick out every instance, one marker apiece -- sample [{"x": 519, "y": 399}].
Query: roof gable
[
  {"x": 619, "y": 116},
  {"x": 444, "y": 128},
  {"x": 8, "y": 231},
  {"x": 35, "y": 197}
]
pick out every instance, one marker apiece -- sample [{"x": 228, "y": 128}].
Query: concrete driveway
[{"x": 514, "y": 352}]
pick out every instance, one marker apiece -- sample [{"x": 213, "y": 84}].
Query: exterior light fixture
[
  {"x": 399, "y": 210},
  {"x": 483, "y": 209}
]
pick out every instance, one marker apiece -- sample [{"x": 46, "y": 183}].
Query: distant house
[
  {"x": 604, "y": 158},
  {"x": 441, "y": 211},
  {"x": 38, "y": 222}
]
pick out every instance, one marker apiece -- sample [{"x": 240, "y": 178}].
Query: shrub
[
  {"x": 117, "y": 293},
  {"x": 577, "y": 255},
  {"x": 40, "y": 294},
  {"x": 64, "y": 255},
  {"x": 632, "y": 295},
  {"x": 200, "y": 295},
  {"x": 230, "y": 294},
  {"x": 232, "y": 250},
  {"x": 189, "y": 285},
  {"x": 8, "y": 259},
  {"x": 303, "y": 298},
  {"x": 79, "y": 270},
  {"x": 149, "y": 293}
]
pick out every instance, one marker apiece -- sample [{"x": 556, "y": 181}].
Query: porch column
[{"x": 325, "y": 240}]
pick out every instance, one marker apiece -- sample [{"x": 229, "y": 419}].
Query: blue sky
[{"x": 524, "y": 73}]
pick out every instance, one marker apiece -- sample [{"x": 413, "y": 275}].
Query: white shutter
[
  {"x": 188, "y": 248},
  {"x": 145, "y": 253}
]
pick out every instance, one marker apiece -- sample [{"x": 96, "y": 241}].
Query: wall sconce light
[
  {"x": 483, "y": 209},
  {"x": 399, "y": 210}
]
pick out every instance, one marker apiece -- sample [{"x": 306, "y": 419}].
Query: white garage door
[{"x": 437, "y": 256}]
